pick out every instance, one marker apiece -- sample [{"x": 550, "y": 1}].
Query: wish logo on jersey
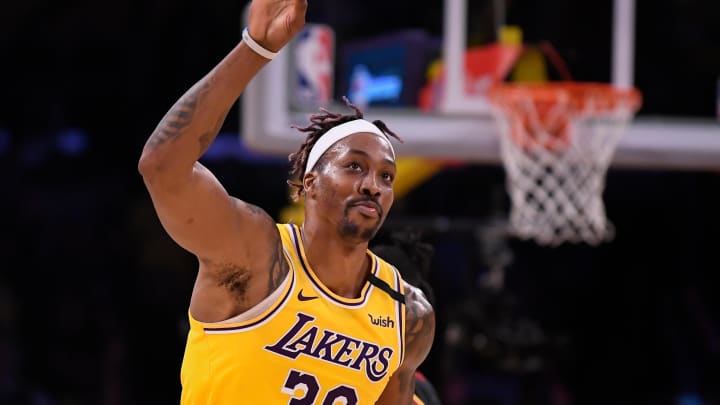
[
  {"x": 386, "y": 322},
  {"x": 310, "y": 340}
]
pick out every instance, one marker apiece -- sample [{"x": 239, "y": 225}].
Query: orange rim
[
  {"x": 605, "y": 96},
  {"x": 565, "y": 100}
]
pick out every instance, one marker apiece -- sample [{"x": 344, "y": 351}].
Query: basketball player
[
  {"x": 280, "y": 313},
  {"x": 412, "y": 258}
]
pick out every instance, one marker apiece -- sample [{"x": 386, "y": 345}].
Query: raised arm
[
  {"x": 419, "y": 334},
  {"x": 192, "y": 205}
]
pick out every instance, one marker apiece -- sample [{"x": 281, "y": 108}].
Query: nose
[{"x": 369, "y": 186}]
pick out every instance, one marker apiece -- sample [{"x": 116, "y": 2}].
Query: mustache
[{"x": 366, "y": 199}]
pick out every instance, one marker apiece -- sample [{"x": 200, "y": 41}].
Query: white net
[{"x": 556, "y": 156}]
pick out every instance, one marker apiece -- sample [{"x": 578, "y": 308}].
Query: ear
[{"x": 309, "y": 182}]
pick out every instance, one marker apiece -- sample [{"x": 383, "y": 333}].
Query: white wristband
[{"x": 257, "y": 48}]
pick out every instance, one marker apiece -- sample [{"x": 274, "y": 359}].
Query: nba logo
[{"x": 313, "y": 66}]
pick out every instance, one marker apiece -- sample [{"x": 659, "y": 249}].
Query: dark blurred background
[{"x": 94, "y": 294}]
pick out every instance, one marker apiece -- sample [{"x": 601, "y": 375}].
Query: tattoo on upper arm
[
  {"x": 419, "y": 332},
  {"x": 420, "y": 327},
  {"x": 255, "y": 210},
  {"x": 179, "y": 116},
  {"x": 279, "y": 268}
]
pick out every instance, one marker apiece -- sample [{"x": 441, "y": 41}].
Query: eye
[
  {"x": 354, "y": 166},
  {"x": 387, "y": 176}
]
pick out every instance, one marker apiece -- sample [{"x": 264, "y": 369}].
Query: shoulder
[
  {"x": 248, "y": 272},
  {"x": 254, "y": 211},
  {"x": 419, "y": 334},
  {"x": 419, "y": 324}
]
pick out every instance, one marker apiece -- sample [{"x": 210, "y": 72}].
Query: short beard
[{"x": 349, "y": 229}]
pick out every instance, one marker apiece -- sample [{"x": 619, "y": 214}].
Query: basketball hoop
[{"x": 557, "y": 141}]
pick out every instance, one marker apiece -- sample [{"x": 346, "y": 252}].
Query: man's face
[{"x": 354, "y": 185}]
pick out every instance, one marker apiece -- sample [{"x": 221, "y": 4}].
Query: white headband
[{"x": 339, "y": 132}]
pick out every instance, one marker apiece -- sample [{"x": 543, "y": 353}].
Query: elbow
[
  {"x": 146, "y": 165},
  {"x": 159, "y": 171},
  {"x": 149, "y": 166}
]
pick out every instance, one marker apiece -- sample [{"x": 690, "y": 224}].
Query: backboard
[{"x": 458, "y": 125}]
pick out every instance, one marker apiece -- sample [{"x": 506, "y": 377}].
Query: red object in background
[{"x": 485, "y": 66}]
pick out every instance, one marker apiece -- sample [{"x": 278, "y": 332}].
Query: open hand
[{"x": 273, "y": 23}]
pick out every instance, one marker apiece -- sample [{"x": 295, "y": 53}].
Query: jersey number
[{"x": 309, "y": 388}]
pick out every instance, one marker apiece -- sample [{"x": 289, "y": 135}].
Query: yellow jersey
[{"x": 301, "y": 345}]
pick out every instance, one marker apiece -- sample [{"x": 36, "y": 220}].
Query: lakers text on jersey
[{"x": 303, "y": 344}]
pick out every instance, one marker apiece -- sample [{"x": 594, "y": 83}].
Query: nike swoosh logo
[{"x": 302, "y": 297}]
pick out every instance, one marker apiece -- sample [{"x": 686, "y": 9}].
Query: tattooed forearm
[
  {"x": 208, "y": 137},
  {"x": 205, "y": 140},
  {"x": 179, "y": 117}
]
